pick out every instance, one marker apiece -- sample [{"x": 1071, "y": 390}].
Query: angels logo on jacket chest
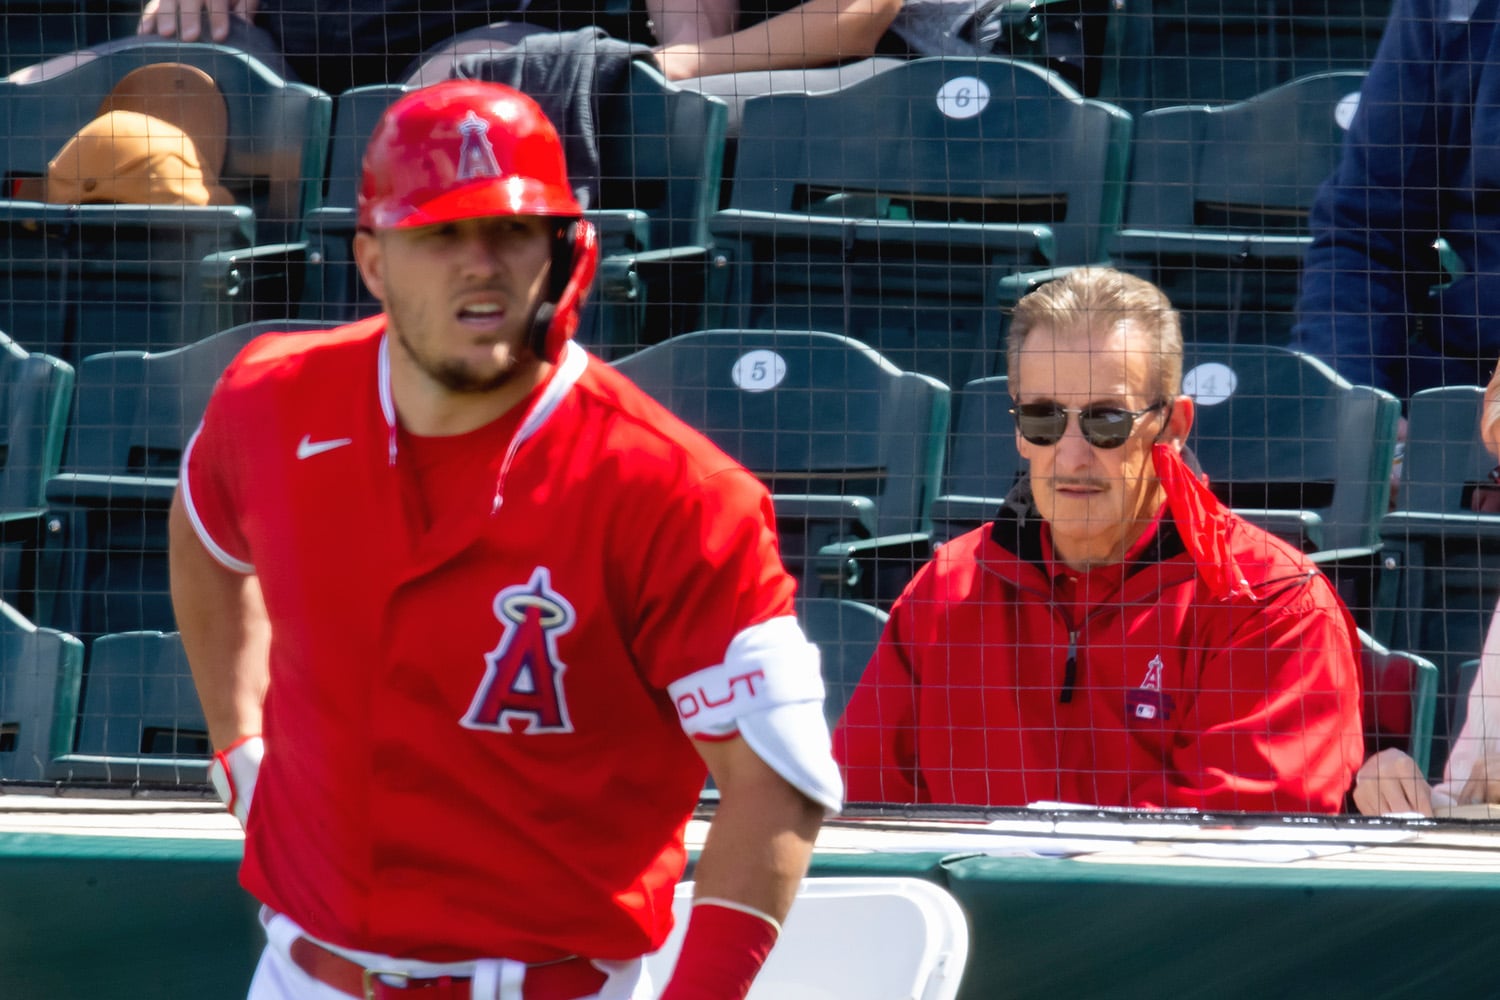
[
  {"x": 1148, "y": 702},
  {"x": 522, "y": 688}
]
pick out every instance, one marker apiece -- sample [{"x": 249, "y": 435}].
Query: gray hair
[{"x": 1103, "y": 296}]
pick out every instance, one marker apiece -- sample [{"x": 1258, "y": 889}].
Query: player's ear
[{"x": 369, "y": 255}]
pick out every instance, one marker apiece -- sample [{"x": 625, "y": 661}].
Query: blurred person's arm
[
  {"x": 689, "y": 22},
  {"x": 183, "y": 19},
  {"x": 1375, "y": 218},
  {"x": 1391, "y": 782},
  {"x": 816, "y": 33}
]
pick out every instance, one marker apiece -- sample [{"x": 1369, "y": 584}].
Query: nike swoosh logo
[{"x": 307, "y": 447}]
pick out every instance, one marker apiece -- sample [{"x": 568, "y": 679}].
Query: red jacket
[{"x": 1142, "y": 684}]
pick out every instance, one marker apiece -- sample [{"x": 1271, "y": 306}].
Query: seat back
[
  {"x": 139, "y": 717},
  {"x": 278, "y": 129},
  {"x": 846, "y": 633},
  {"x": 889, "y": 210},
  {"x": 81, "y": 279},
  {"x": 36, "y": 395},
  {"x": 1290, "y": 444},
  {"x": 1400, "y": 700},
  {"x": 849, "y": 445},
  {"x": 870, "y": 937},
  {"x": 1191, "y": 52},
  {"x": 104, "y": 566},
  {"x": 1441, "y": 559},
  {"x": 983, "y": 461},
  {"x": 1216, "y": 212},
  {"x": 40, "y": 669}
]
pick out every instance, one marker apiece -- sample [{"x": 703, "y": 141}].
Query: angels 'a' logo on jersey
[{"x": 522, "y": 689}]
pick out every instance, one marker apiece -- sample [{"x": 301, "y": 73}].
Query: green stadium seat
[
  {"x": 103, "y": 559},
  {"x": 850, "y": 446},
  {"x": 983, "y": 462},
  {"x": 661, "y": 154},
  {"x": 1293, "y": 447},
  {"x": 895, "y": 210},
  {"x": 1440, "y": 574},
  {"x": 1400, "y": 700},
  {"x": 40, "y": 670},
  {"x": 139, "y": 718},
  {"x": 1219, "y": 51},
  {"x": 36, "y": 395},
  {"x": 1216, "y": 211},
  {"x": 77, "y": 280},
  {"x": 846, "y": 633}
]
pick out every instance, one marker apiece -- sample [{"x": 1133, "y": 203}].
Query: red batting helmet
[{"x": 467, "y": 149}]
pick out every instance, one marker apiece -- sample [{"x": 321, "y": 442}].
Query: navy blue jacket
[{"x": 1421, "y": 161}]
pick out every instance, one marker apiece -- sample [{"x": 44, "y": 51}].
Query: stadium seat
[
  {"x": 850, "y": 446},
  {"x": 36, "y": 395},
  {"x": 1219, "y": 51},
  {"x": 845, "y": 633},
  {"x": 661, "y": 153},
  {"x": 1440, "y": 575},
  {"x": 897, "y": 210},
  {"x": 139, "y": 718},
  {"x": 983, "y": 462},
  {"x": 1400, "y": 700},
  {"x": 1293, "y": 447},
  {"x": 871, "y": 938},
  {"x": 40, "y": 670},
  {"x": 81, "y": 279},
  {"x": 1216, "y": 210},
  {"x": 103, "y": 559}
]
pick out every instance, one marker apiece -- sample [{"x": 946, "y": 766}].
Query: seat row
[
  {"x": 870, "y": 468},
  {"x": 906, "y": 211}
]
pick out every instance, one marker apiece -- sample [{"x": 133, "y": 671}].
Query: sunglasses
[{"x": 1103, "y": 426}]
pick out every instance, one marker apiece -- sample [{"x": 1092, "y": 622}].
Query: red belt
[{"x": 568, "y": 979}]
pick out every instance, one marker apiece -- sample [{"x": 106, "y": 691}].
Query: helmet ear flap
[{"x": 575, "y": 258}]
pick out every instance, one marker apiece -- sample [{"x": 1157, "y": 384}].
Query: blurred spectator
[
  {"x": 335, "y": 46},
  {"x": 1116, "y": 637},
  {"x": 1401, "y": 287},
  {"x": 1391, "y": 781}
]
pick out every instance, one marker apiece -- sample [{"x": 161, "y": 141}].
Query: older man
[{"x": 1116, "y": 636}]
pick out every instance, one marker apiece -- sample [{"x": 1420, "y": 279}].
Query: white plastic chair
[{"x": 869, "y": 938}]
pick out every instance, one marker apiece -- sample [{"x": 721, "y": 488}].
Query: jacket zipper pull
[{"x": 1070, "y": 670}]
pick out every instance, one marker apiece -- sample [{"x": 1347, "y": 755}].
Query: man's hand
[
  {"x": 183, "y": 19},
  {"x": 1483, "y": 784},
  {"x": 1391, "y": 782}
]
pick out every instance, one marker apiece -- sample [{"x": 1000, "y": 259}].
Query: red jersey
[
  {"x": 1003, "y": 679},
  {"x": 470, "y": 748}
]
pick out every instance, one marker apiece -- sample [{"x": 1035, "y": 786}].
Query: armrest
[
  {"x": 75, "y": 489},
  {"x": 1405, "y": 525},
  {"x": 1013, "y": 286},
  {"x": 21, "y": 525},
  {"x": 1018, "y": 241},
  {"x": 1301, "y": 528},
  {"x": 1248, "y": 249},
  {"x": 258, "y": 282},
  {"x": 871, "y": 569},
  {"x": 856, "y": 512},
  {"x": 154, "y": 770}
]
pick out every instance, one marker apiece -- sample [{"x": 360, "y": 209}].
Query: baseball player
[{"x": 468, "y": 613}]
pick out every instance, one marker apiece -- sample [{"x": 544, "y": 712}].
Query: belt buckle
[{"x": 368, "y": 981}]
